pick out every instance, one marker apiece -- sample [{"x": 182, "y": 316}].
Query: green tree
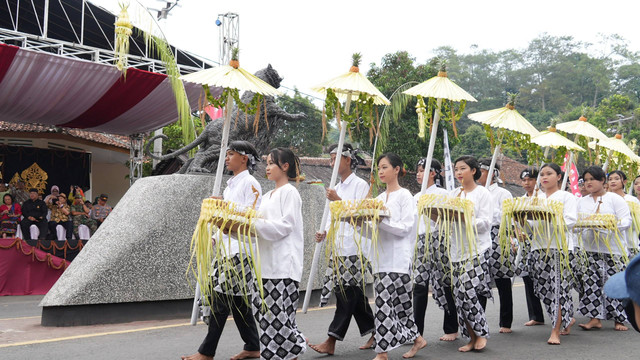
[
  {"x": 473, "y": 142},
  {"x": 303, "y": 136}
]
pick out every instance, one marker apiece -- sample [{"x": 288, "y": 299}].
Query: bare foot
[
  {"x": 368, "y": 345},
  {"x": 244, "y": 354},
  {"x": 381, "y": 356},
  {"x": 198, "y": 356},
  {"x": 481, "y": 343},
  {"x": 620, "y": 327},
  {"x": 592, "y": 324},
  {"x": 554, "y": 339},
  {"x": 327, "y": 347},
  {"x": 567, "y": 330},
  {"x": 467, "y": 347},
  {"x": 449, "y": 337},
  {"x": 418, "y": 344},
  {"x": 505, "y": 330},
  {"x": 533, "y": 323}
]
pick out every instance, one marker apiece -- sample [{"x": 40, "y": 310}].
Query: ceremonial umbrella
[
  {"x": 582, "y": 127},
  {"x": 551, "y": 139},
  {"x": 507, "y": 118},
  {"x": 352, "y": 86},
  {"x": 616, "y": 144},
  {"x": 438, "y": 87},
  {"x": 233, "y": 79}
]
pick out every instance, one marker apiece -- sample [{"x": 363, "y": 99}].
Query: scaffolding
[{"x": 229, "y": 24}]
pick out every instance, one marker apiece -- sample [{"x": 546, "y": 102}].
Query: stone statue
[{"x": 206, "y": 158}]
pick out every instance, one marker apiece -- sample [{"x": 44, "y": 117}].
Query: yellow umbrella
[
  {"x": 616, "y": 144},
  {"x": 438, "y": 87},
  {"x": 228, "y": 77},
  {"x": 550, "y": 138},
  {"x": 349, "y": 87},
  {"x": 507, "y": 118},
  {"x": 581, "y": 127}
]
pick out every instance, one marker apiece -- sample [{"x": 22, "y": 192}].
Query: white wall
[{"x": 110, "y": 179}]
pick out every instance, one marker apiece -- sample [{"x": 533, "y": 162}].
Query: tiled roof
[{"x": 120, "y": 141}]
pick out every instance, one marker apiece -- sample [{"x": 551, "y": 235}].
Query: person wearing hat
[
  {"x": 55, "y": 192},
  {"x": 101, "y": 210},
  {"x": 625, "y": 286},
  {"x": 502, "y": 268},
  {"x": 34, "y": 212}
]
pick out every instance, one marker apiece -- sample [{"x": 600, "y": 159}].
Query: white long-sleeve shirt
[
  {"x": 542, "y": 238},
  {"x": 499, "y": 194},
  {"x": 611, "y": 204},
  {"x": 239, "y": 191},
  {"x": 422, "y": 227},
  {"x": 396, "y": 234},
  {"x": 632, "y": 234},
  {"x": 351, "y": 188},
  {"x": 280, "y": 234},
  {"x": 483, "y": 205}
]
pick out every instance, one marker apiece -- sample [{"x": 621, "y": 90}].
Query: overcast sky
[{"x": 312, "y": 41}]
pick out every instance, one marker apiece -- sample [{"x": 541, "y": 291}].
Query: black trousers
[
  {"x": 534, "y": 306},
  {"x": 25, "y": 224},
  {"x": 506, "y": 302},
  {"x": 351, "y": 301},
  {"x": 420, "y": 300},
  {"x": 221, "y": 306},
  {"x": 67, "y": 225}
]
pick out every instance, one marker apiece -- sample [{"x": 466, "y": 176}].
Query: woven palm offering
[
  {"x": 605, "y": 231},
  {"x": 210, "y": 246},
  {"x": 358, "y": 210},
  {"x": 597, "y": 221},
  {"x": 453, "y": 214},
  {"x": 634, "y": 209}
]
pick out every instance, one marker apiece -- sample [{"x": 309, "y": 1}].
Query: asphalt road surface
[{"x": 22, "y": 337}]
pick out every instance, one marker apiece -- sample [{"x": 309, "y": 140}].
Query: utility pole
[{"x": 229, "y": 25}]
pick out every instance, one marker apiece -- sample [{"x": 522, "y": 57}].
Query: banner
[
  {"x": 573, "y": 176},
  {"x": 448, "y": 167}
]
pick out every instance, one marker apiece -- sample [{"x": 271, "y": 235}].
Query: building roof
[{"x": 118, "y": 141}]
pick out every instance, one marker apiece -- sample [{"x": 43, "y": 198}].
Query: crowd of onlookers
[{"x": 22, "y": 208}]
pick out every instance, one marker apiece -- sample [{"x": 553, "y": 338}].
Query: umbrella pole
[
  {"x": 493, "y": 164},
  {"x": 432, "y": 144},
  {"x": 216, "y": 190},
  {"x": 567, "y": 169},
  {"x": 325, "y": 214},
  {"x": 606, "y": 163}
]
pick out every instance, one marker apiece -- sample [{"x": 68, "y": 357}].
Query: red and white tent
[{"x": 44, "y": 88}]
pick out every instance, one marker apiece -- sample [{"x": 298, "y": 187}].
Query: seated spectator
[
  {"x": 3, "y": 190},
  {"x": 60, "y": 215},
  {"x": 20, "y": 195},
  {"x": 34, "y": 212},
  {"x": 80, "y": 215},
  {"x": 55, "y": 191},
  {"x": 10, "y": 214},
  {"x": 101, "y": 210},
  {"x": 74, "y": 192}
]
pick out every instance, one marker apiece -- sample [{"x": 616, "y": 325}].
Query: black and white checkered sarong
[
  {"x": 279, "y": 334},
  {"x": 500, "y": 267},
  {"x": 522, "y": 267},
  {"x": 394, "y": 311},
  {"x": 349, "y": 273},
  {"x": 470, "y": 280},
  {"x": 593, "y": 302},
  {"x": 552, "y": 286},
  {"x": 228, "y": 273},
  {"x": 433, "y": 268}
]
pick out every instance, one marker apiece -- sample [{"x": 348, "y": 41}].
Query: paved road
[{"x": 21, "y": 337}]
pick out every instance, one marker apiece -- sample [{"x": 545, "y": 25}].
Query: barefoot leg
[
  {"x": 449, "y": 337},
  {"x": 245, "y": 354},
  {"x": 480, "y": 344},
  {"x": 620, "y": 327},
  {"x": 472, "y": 342},
  {"x": 533, "y": 322},
  {"x": 327, "y": 347},
  {"x": 418, "y": 344},
  {"x": 197, "y": 356},
  {"x": 567, "y": 330},
  {"x": 369, "y": 344},
  {"x": 554, "y": 339},
  {"x": 381, "y": 356},
  {"x": 505, "y": 330},
  {"x": 592, "y": 324}
]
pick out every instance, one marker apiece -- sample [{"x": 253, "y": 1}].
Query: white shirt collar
[
  {"x": 348, "y": 179},
  {"x": 238, "y": 177}
]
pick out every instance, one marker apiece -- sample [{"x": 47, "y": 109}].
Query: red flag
[
  {"x": 213, "y": 112},
  {"x": 573, "y": 176}
]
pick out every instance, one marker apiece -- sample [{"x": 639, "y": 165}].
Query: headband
[
  {"x": 496, "y": 173},
  {"x": 252, "y": 160}
]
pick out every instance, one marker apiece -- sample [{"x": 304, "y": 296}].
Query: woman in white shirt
[
  {"x": 551, "y": 250},
  {"x": 391, "y": 260},
  {"x": 230, "y": 293},
  {"x": 470, "y": 270},
  {"x": 502, "y": 268},
  {"x": 350, "y": 251},
  {"x": 281, "y": 245},
  {"x": 617, "y": 185},
  {"x": 431, "y": 263},
  {"x": 603, "y": 260}
]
